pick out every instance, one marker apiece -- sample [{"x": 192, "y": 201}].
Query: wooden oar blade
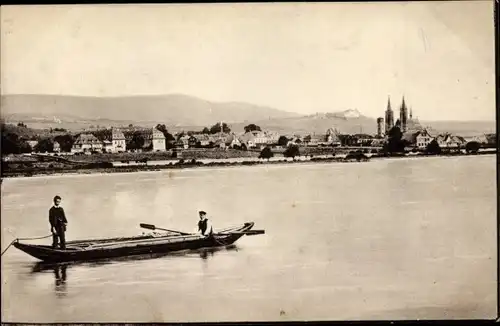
[
  {"x": 153, "y": 227},
  {"x": 250, "y": 232},
  {"x": 148, "y": 226},
  {"x": 254, "y": 232}
]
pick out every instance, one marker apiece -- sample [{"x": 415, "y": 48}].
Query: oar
[
  {"x": 250, "y": 232},
  {"x": 153, "y": 227}
]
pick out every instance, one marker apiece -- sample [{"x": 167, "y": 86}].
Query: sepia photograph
[{"x": 248, "y": 162}]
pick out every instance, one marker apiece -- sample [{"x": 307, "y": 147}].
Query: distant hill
[
  {"x": 173, "y": 110},
  {"x": 352, "y": 122},
  {"x": 182, "y": 112}
]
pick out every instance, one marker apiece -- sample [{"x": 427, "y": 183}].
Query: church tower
[
  {"x": 380, "y": 122},
  {"x": 389, "y": 116},
  {"x": 403, "y": 116}
]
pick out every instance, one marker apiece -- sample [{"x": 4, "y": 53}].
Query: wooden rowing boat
[{"x": 87, "y": 250}]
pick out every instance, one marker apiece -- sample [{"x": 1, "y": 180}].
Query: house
[
  {"x": 158, "y": 141},
  {"x": 260, "y": 138},
  {"x": 329, "y": 139},
  {"x": 361, "y": 140},
  {"x": 232, "y": 141},
  {"x": 107, "y": 146},
  {"x": 294, "y": 140},
  {"x": 32, "y": 143},
  {"x": 314, "y": 140},
  {"x": 422, "y": 139},
  {"x": 57, "y": 147},
  {"x": 183, "y": 142},
  {"x": 203, "y": 140},
  {"x": 118, "y": 142},
  {"x": 192, "y": 141},
  {"x": 332, "y": 137},
  {"x": 86, "y": 143},
  {"x": 450, "y": 141},
  {"x": 248, "y": 139}
]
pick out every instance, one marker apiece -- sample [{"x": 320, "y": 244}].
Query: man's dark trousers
[{"x": 59, "y": 236}]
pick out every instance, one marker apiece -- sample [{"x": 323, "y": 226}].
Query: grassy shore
[{"x": 106, "y": 167}]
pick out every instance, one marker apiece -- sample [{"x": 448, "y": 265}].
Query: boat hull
[{"x": 86, "y": 251}]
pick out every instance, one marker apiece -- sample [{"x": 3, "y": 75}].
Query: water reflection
[
  {"x": 60, "y": 275},
  {"x": 60, "y": 269},
  {"x": 209, "y": 252},
  {"x": 60, "y": 280}
]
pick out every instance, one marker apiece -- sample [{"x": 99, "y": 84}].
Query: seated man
[{"x": 204, "y": 225}]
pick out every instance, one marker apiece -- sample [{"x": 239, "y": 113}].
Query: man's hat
[{"x": 202, "y": 212}]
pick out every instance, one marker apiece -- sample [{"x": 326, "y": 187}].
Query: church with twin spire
[{"x": 406, "y": 122}]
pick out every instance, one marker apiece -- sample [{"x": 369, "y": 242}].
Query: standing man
[
  {"x": 58, "y": 222},
  {"x": 204, "y": 225}
]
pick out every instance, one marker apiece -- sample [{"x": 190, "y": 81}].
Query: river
[{"x": 388, "y": 239}]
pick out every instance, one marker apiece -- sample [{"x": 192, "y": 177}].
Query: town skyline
[{"x": 302, "y": 58}]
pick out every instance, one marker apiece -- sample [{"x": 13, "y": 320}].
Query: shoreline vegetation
[{"x": 146, "y": 163}]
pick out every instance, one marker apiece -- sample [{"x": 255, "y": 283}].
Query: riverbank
[{"x": 107, "y": 167}]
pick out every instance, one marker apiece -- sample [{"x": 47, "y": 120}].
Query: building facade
[
  {"x": 158, "y": 141},
  {"x": 423, "y": 139},
  {"x": 118, "y": 143},
  {"x": 87, "y": 143},
  {"x": 450, "y": 141},
  {"x": 380, "y": 127}
]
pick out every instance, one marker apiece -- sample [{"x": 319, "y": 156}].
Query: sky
[{"x": 302, "y": 57}]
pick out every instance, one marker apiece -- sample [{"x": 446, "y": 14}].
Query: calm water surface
[{"x": 389, "y": 239}]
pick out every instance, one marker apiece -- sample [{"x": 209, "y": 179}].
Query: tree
[
  {"x": 103, "y": 134},
  {"x": 307, "y": 139},
  {"x": 130, "y": 125},
  {"x": 65, "y": 141},
  {"x": 283, "y": 141},
  {"x": 266, "y": 153},
  {"x": 472, "y": 147},
  {"x": 394, "y": 144},
  {"x": 12, "y": 144},
  {"x": 205, "y": 131},
  {"x": 180, "y": 135},
  {"x": 137, "y": 141},
  {"x": 169, "y": 138},
  {"x": 292, "y": 151},
  {"x": 433, "y": 148},
  {"x": 216, "y": 128},
  {"x": 252, "y": 127},
  {"x": 22, "y": 125},
  {"x": 44, "y": 146}
]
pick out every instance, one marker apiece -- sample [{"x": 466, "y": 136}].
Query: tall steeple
[
  {"x": 403, "y": 115},
  {"x": 389, "y": 116}
]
